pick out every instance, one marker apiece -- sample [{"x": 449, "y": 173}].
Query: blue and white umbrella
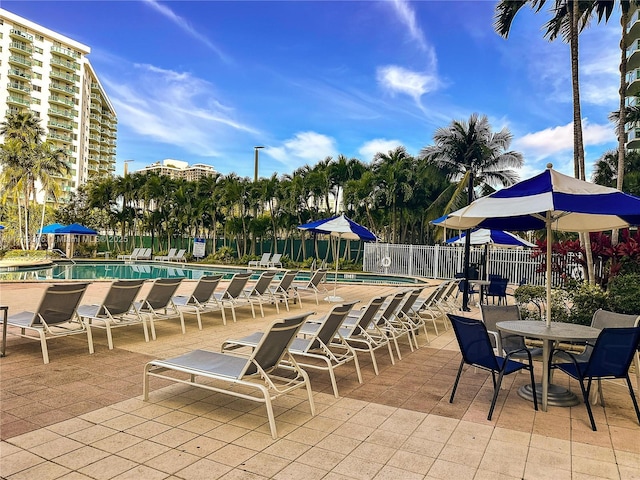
[
  {"x": 552, "y": 201},
  {"x": 342, "y": 227},
  {"x": 487, "y": 236}
]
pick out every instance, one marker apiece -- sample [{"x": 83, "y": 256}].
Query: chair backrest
[
  {"x": 410, "y": 300},
  {"x": 390, "y": 310},
  {"x": 205, "y": 288},
  {"x": 136, "y": 251},
  {"x": 172, "y": 252},
  {"x": 317, "y": 277},
  {"x": 492, "y": 314},
  {"x": 265, "y": 258},
  {"x": 276, "y": 258},
  {"x": 180, "y": 253},
  {"x": 287, "y": 280},
  {"x": 59, "y": 303},
  {"x": 120, "y": 296},
  {"x": 368, "y": 313},
  {"x": 606, "y": 319},
  {"x": 161, "y": 292},
  {"x": 332, "y": 323},
  {"x": 263, "y": 282},
  {"x": 237, "y": 284},
  {"x": 613, "y": 352},
  {"x": 274, "y": 343},
  {"x": 474, "y": 342}
]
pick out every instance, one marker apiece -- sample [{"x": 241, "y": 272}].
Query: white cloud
[
  {"x": 408, "y": 18},
  {"x": 185, "y": 26},
  {"x": 555, "y": 140},
  {"x": 303, "y": 148},
  {"x": 370, "y": 148},
  {"x": 397, "y": 79},
  {"x": 174, "y": 108}
]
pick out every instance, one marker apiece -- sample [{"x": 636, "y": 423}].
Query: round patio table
[{"x": 554, "y": 332}]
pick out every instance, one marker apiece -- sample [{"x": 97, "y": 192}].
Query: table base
[{"x": 557, "y": 397}]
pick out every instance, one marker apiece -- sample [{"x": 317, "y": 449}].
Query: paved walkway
[{"x": 82, "y": 416}]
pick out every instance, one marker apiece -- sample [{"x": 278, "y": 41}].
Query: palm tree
[
  {"x": 471, "y": 153},
  {"x": 605, "y": 171}
]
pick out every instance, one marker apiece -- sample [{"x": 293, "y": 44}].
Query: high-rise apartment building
[
  {"x": 633, "y": 73},
  {"x": 50, "y": 74}
]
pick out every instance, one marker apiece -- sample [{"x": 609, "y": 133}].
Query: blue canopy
[
  {"x": 51, "y": 228},
  {"x": 484, "y": 236},
  {"x": 76, "y": 229}
]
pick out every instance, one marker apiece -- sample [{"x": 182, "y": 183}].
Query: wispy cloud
[
  {"x": 174, "y": 108},
  {"x": 185, "y": 26},
  {"x": 370, "y": 148},
  {"x": 397, "y": 79},
  {"x": 304, "y": 148},
  {"x": 540, "y": 145},
  {"x": 407, "y": 16}
]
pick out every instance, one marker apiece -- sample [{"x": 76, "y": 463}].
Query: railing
[{"x": 444, "y": 261}]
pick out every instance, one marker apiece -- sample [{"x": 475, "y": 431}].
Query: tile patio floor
[{"x": 82, "y": 416}]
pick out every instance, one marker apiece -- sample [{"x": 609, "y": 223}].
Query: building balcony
[
  {"x": 20, "y": 35},
  {"x": 96, "y": 107},
  {"x": 61, "y": 87},
  {"x": 65, "y": 51},
  {"x": 12, "y": 99},
  {"x": 61, "y": 100},
  {"x": 96, "y": 118},
  {"x": 56, "y": 124},
  {"x": 633, "y": 82},
  {"x": 95, "y": 87},
  {"x": 96, "y": 97},
  {"x": 63, "y": 76},
  {"x": 20, "y": 60},
  {"x": 94, "y": 147},
  {"x": 94, "y": 127},
  {"x": 18, "y": 87},
  {"x": 67, "y": 65},
  {"x": 18, "y": 74},
  {"x": 20, "y": 47},
  {"x": 633, "y": 25},
  {"x": 57, "y": 112},
  {"x": 59, "y": 137}
]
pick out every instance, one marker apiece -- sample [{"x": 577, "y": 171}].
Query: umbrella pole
[{"x": 548, "y": 222}]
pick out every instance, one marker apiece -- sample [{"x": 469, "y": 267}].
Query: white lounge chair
[
  {"x": 167, "y": 257},
  {"x": 264, "y": 261},
  {"x": 202, "y": 299},
  {"x": 275, "y": 260},
  {"x": 129, "y": 256},
  {"x": 263, "y": 372},
  {"x": 179, "y": 257}
]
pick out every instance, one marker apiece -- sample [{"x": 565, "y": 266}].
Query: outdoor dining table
[{"x": 554, "y": 332}]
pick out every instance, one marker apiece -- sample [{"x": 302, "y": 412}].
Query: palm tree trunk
[{"x": 622, "y": 108}]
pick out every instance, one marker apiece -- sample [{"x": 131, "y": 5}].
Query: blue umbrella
[
  {"x": 76, "y": 229},
  {"x": 485, "y": 236},
  {"x": 51, "y": 228},
  {"x": 549, "y": 200},
  {"x": 342, "y": 227}
]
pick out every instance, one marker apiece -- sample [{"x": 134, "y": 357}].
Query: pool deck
[{"x": 82, "y": 416}]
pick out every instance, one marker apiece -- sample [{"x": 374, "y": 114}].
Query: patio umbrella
[
  {"x": 75, "y": 229},
  {"x": 486, "y": 236},
  {"x": 550, "y": 200},
  {"x": 340, "y": 227},
  {"x": 51, "y": 228}
]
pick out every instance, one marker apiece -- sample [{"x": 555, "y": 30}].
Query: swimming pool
[{"x": 149, "y": 270}]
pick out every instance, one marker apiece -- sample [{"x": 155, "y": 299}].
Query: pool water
[{"x": 150, "y": 270}]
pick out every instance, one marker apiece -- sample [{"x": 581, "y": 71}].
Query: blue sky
[{"x": 206, "y": 81}]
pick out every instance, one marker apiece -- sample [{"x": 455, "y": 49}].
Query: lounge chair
[
  {"x": 116, "y": 310},
  {"x": 144, "y": 254},
  {"x": 263, "y": 262},
  {"x": 233, "y": 295},
  {"x": 360, "y": 333},
  {"x": 408, "y": 317},
  {"x": 201, "y": 300},
  {"x": 321, "y": 349},
  {"x": 477, "y": 351},
  {"x": 165, "y": 258},
  {"x": 275, "y": 260},
  {"x": 129, "y": 256},
  {"x": 179, "y": 257},
  {"x": 387, "y": 321},
  {"x": 284, "y": 291},
  {"x": 56, "y": 316},
  {"x": 263, "y": 371},
  {"x": 158, "y": 304},
  {"x": 429, "y": 307},
  {"x": 259, "y": 293},
  {"x": 314, "y": 285}
]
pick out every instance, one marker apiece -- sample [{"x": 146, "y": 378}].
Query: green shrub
[
  {"x": 586, "y": 299},
  {"x": 624, "y": 294},
  {"x": 532, "y": 300},
  {"x": 222, "y": 255}
]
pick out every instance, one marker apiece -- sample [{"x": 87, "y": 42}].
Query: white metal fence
[{"x": 444, "y": 261}]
